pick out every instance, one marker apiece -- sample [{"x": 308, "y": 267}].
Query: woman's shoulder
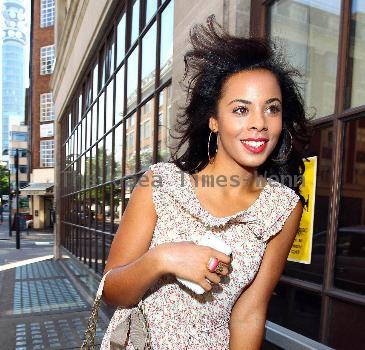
[{"x": 278, "y": 190}]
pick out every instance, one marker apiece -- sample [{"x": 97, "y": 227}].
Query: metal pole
[
  {"x": 17, "y": 198},
  {"x": 10, "y": 198}
]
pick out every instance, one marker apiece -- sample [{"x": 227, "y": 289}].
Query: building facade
[
  {"x": 116, "y": 91},
  {"x": 18, "y": 147},
  {"x": 13, "y": 66},
  {"x": 42, "y": 114}
]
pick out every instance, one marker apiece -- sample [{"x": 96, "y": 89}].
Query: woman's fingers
[
  {"x": 213, "y": 277},
  {"x": 206, "y": 285},
  {"x": 224, "y": 271},
  {"x": 226, "y": 259}
]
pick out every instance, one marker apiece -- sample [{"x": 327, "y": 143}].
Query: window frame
[{"x": 258, "y": 26}]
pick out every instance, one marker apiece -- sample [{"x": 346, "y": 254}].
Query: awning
[{"x": 37, "y": 189}]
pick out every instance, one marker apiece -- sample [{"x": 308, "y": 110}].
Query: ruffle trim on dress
[{"x": 264, "y": 217}]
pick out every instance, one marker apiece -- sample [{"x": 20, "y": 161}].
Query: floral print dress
[{"x": 177, "y": 317}]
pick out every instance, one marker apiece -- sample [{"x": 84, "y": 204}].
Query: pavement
[{"x": 45, "y": 303}]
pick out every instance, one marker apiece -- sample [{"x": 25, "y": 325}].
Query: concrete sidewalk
[{"x": 45, "y": 304}]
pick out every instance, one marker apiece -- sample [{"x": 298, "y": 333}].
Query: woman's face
[{"x": 249, "y": 119}]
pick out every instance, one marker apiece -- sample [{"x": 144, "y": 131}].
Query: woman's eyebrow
[{"x": 249, "y": 102}]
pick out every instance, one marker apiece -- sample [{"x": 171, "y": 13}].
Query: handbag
[{"x": 131, "y": 322}]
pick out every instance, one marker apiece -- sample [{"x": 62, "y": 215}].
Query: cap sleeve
[
  {"x": 158, "y": 177},
  {"x": 284, "y": 200}
]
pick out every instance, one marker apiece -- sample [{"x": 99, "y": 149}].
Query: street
[{"x": 45, "y": 304}]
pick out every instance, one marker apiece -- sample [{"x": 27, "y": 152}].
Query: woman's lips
[{"x": 255, "y": 145}]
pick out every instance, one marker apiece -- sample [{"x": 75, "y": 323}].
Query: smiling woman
[{"x": 243, "y": 92}]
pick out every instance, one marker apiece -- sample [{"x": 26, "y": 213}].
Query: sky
[{"x": 27, "y": 5}]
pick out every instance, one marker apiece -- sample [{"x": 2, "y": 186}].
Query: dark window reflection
[
  {"x": 346, "y": 325},
  {"x": 321, "y": 146},
  {"x": 349, "y": 271},
  {"x": 296, "y": 309}
]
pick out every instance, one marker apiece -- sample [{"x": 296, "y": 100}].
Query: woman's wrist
[{"x": 159, "y": 259}]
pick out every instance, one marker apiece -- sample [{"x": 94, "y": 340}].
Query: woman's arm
[
  {"x": 135, "y": 267},
  {"x": 248, "y": 316}
]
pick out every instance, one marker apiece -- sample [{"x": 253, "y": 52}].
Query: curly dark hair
[{"x": 214, "y": 57}]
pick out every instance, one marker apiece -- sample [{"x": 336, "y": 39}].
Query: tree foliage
[{"x": 4, "y": 180}]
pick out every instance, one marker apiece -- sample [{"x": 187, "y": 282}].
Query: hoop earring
[
  {"x": 285, "y": 157},
  {"x": 211, "y": 160}
]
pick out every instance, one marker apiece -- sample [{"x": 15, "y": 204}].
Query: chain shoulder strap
[{"x": 90, "y": 332}]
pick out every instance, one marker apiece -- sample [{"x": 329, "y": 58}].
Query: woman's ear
[{"x": 213, "y": 123}]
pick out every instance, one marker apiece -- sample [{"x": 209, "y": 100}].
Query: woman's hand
[{"x": 190, "y": 261}]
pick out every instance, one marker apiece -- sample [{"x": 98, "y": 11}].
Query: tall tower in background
[{"x": 13, "y": 65}]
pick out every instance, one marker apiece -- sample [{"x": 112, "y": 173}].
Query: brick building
[{"x": 42, "y": 113}]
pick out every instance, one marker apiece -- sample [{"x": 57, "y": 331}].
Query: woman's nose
[{"x": 257, "y": 121}]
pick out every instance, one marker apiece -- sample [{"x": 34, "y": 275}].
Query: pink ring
[{"x": 212, "y": 264}]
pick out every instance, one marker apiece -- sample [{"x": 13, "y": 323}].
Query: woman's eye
[
  {"x": 274, "y": 109},
  {"x": 240, "y": 110}
]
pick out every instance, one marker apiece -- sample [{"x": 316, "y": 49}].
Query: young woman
[{"x": 237, "y": 178}]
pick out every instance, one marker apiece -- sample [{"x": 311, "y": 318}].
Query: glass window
[
  {"x": 356, "y": 75},
  {"x": 119, "y": 95},
  {"x": 296, "y": 309},
  {"x": 130, "y": 145},
  {"x": 100, "y": 165},
  {"x": 164, "y": 125},
  {"x": 101, "y": 123},
  {"x": 108, "y": 161},
  {"x": 95, "y": 81},
  {"x": 87, "y": 169},
  {"x": 121, "y": 40},
  {"x": 46, "y": 130},
  {"x": 82, "y": 172},
  {"x": 46, "y": 153},
  {"x": 146, "y": 135},
  {"x": 349, "y": 272},
  {"x": 309, "y": 33},
  {"x": 47, "y": 59},
  {"x": 46, "y": 107},
  {"x": 167, "y": 30},
  {"x": 109, "y": 58},
  {"x": 99, "y": 209},
  {"x": 151, "y": 8},
  {"x": 135, "y": 21},
  {"x": 345, "y": 325},
  {"x": 94, "y": 124},
  {"x": 88, "y": 125},
  {"x": 117, "y": 204},
  {"x": 132, "y": 79},
  {"x": 148, "y": 62},
  {"x": 108, "y": 208},
  {"x": 47, "y": 13},
  {"x": 109, "y": 107},
  {"x": 18, "y": 136},
  {"x": 321, "y": 146},
  {"x": 80, "y": 110},
  {"x": 93, "y": 166},
  {"x": 118, "y": 151}
]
